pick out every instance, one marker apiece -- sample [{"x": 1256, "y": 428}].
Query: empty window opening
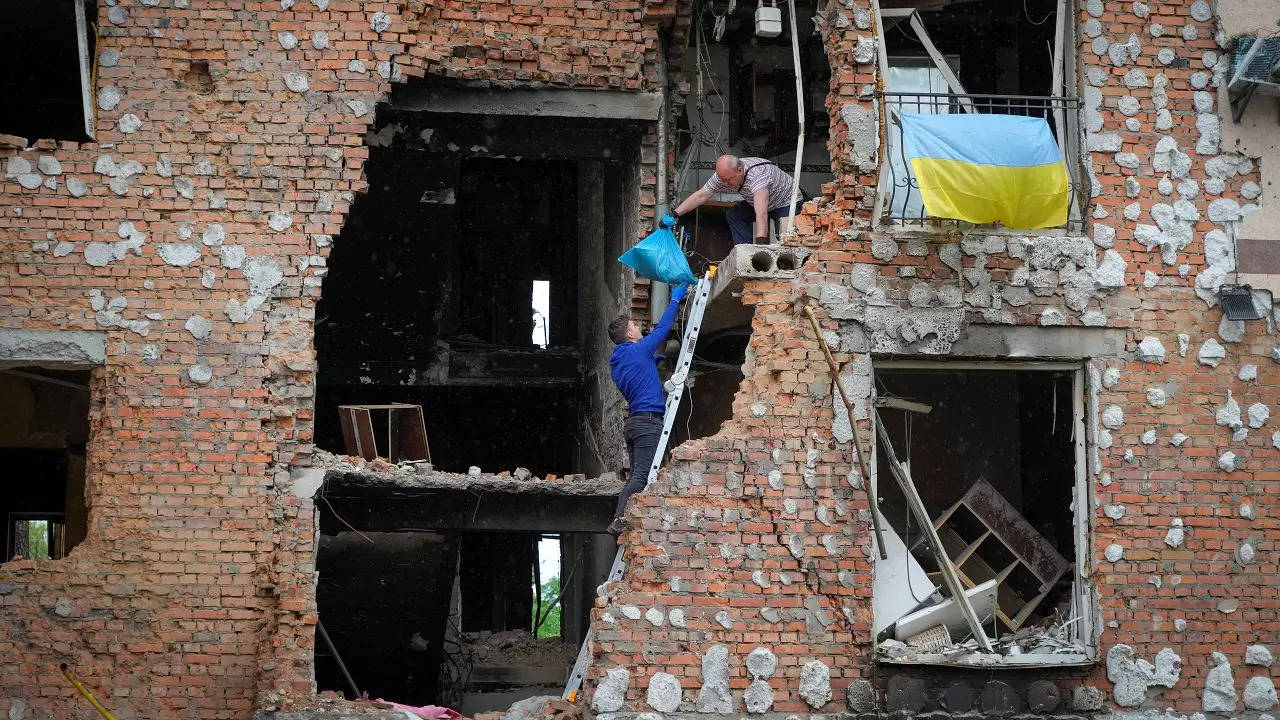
[
  {"x": 541, "y": 305},
  {"x": 45, "y": 53},
  {"x": 476, "y": 278},
  {"x": 994, "y": 457},
  {"x": 742, "y": 101},
  {"x": 546, "y": 588},
  {"x": 43, "y": 432}
]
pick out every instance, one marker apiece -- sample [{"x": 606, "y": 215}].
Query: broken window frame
[
  {"x": 1084, "y": 606},
  {"x": 1068, "y": 130}
]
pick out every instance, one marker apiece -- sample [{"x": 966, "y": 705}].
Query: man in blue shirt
[{"x": 634, "y": 369}]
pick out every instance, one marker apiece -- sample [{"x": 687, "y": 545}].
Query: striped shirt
[{"x": 769, "y": 177}]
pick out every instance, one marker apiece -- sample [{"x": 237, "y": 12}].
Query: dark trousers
[
  {"x": 642, "y": 433},
  {"x": 742, "y": 218}
]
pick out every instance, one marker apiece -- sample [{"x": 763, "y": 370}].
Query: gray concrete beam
[
  {"x": 52, "y": 349},
  {"x": 461, "y": 510},
  {"x": 601, "y": 104},
  {"x": 1002, "y": 341}
]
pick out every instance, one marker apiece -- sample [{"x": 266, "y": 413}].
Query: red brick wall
[
  {"x": 508, "y": 42},
  {"x": 194, "y": 592},
  {"x": 688, "y": 551}
]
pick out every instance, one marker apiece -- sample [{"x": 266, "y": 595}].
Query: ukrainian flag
[{"x": 988, "y": 168}]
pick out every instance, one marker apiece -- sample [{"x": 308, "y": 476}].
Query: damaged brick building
[{"x": 226, "y": 224}]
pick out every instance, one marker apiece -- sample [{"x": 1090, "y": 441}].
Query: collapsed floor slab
[{"x": 381, "y": 499}]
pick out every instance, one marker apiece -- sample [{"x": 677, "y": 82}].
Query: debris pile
[
  {"x": 411, "y": 470},
  {"x": 518, "y": 648},
  {"x": 537, "y": 708},
  {"x": 1054, "y": 636},
  {"x": 326, "y": 701}
]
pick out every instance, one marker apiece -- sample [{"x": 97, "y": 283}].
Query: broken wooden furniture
[
  {"x": 406, "y": 432},
  {"x": 950, "y": 573},
  {"x": 988, "y": 539}
]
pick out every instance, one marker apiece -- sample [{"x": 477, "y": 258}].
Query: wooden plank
[
  {"x": 952, "y": 81},
  {"x": 972, "y": 546},
  {"x": 86, "y": 62},
  {"x": 946, "y": 515},
  {"x": 954, "y": 586},
  {"x": 1026, "y": 611},
  {"x": 971, "y": 583},
  {"x": 867, "y": 476}
]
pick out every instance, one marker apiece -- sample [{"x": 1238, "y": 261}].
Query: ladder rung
[{"x": 693, "y": 324}]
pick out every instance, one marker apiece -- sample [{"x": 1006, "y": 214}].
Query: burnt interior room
[
  {"x": 742, "y": 101},
  {"x": 43, "y": 432},
  {"x": 715, "y": 377},
  {"x": 476, "y": 277},
  {"x": 993, "y": 444},
  {"x": 468, "y": 597},
  {"x": 42, "y": 81},
  {"x": 993, "y": 46}
]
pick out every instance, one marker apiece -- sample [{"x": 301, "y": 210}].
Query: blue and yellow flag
[{"x": 988, "y": 168}]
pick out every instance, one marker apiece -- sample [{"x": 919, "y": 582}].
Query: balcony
[{"x": 899, "y": 201}]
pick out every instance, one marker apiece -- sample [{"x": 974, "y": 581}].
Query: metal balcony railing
[{"x": 903, "y": 205}]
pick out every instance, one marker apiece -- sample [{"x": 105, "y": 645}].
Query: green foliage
[
  {"x": 551, "y": 625},
  {"x": 38, "y": 541}
]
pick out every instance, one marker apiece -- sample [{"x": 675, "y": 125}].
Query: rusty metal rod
[
  {"x": 853, "y": 429},
  {"x": 84, "y": 691}
]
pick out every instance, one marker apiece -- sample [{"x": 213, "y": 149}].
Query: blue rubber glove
[
  {"x": 667, "y": 221},
  {"x": 677, "y": 294}
]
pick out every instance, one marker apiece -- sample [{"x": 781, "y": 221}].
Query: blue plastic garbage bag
[{"x": 658, "y": 257}]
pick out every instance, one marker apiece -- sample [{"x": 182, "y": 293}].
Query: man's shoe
[{"x": 615, "y": 528}]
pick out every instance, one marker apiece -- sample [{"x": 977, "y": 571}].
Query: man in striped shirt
[{"x": 766, "y": 192}]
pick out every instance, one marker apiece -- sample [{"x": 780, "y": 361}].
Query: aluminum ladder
[{"x": 675, "y": 393}]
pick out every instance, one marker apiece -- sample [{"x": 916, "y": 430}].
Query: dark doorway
[{"x": 43, "y": 432}]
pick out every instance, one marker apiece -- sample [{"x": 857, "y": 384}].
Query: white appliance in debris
[{"x": 900, "y": 583}]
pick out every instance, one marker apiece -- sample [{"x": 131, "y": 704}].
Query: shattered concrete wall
[
  {"x": 749, "y": 573},
  {"x": 194, "y": 231}
]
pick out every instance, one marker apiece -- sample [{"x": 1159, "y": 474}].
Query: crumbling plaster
[
  {"x": 54, "y": 349},
  {"x": 1136, "y": 291},
  {"x": 183, "y": 252}
]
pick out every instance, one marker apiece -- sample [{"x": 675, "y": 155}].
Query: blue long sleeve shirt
[{"x": 635, "y": 370}]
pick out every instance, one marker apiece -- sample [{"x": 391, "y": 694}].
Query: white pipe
[
  {"x": 795, "y": 60},
  {"x": 660, "y": 293}
]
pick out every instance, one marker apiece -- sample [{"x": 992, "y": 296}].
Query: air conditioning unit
[{"x": 768, "y": 20}]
